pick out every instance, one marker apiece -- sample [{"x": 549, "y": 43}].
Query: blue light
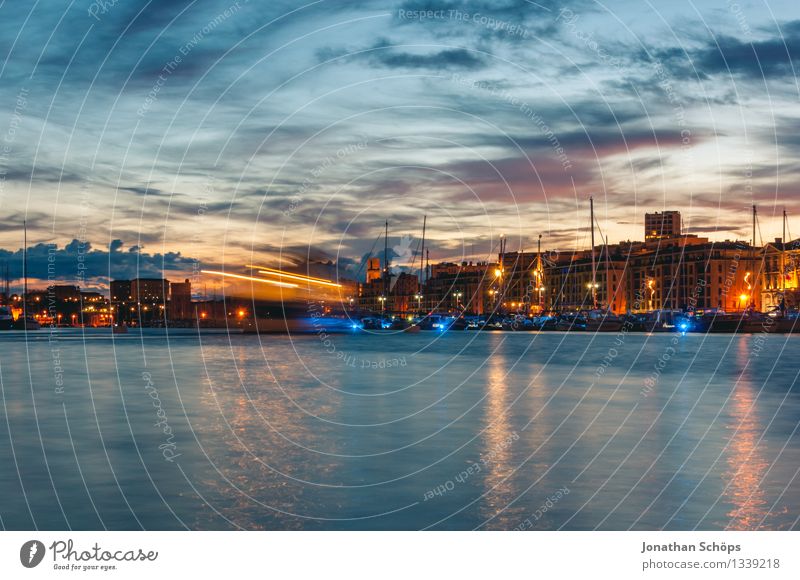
[
  {"x": 355, "y": 326},
  {"x": 684, "y": 327}
]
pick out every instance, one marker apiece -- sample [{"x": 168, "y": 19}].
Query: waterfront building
[
  {"x": 779, "y": 278},
  {"x": 570, "y": 283},
  {"x": 691, "y": 273},
  {"x": 379, "y": 296},
  {"x": 469, "y": 287}
]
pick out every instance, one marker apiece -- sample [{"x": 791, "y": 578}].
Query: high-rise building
[
  {"x": 121, "y": 300},
  {"x": 662, "y": 225},
  {"x": 149, "y": 290},
  {"x": 180, "y": 300},
  {"x": 121, "y": 291},
  {"x": 149, "y": 298}
]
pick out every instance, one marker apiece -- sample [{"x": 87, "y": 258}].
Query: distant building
[
  {"x": 180, "y": 300},
  {"x": 121, "y": 291},
  {"x": 662, "y": 225},
  {"x": 373, "y": 269},
  {"x": 149, "y": 290},
  {"x": 122, "y": 301},
  {"x": 64, "y": 293},
  {"x": 149, "y": 299},
  {"x": 92, "y": 297}
]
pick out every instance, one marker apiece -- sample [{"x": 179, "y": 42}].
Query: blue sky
[{"x": 221, "y": 133}]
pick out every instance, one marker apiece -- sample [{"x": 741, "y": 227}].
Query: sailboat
[
  {"x": 6, "y": 314},
  {"x": 599, "y": 319},
  {"x": 783, "y": 319},
  {"x": 25, "y": 322}
]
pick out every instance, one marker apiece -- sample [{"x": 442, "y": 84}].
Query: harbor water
[{"x": 456, "y": 430}]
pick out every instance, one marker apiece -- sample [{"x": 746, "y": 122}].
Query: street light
[
  {"x": 382, "y": 300},
  {"x": 457, "y": 296},
  {"x": 419, "y": 301}
]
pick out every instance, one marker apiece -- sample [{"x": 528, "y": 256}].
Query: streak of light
[
  {"x": 251, "y": 278},
  {"x": 300, "y": 277}
]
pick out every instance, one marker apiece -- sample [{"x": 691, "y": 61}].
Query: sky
[{"x": 140, "y": 138}]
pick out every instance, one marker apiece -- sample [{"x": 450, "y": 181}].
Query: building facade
[{"x": 662, "y": 225}]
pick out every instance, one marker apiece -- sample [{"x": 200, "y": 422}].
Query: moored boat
[
  {"x": 571, "y": 321},
  {"x": 26, "y": 323},
  {"x": 6, "y": 318},
  {"x": 599, "y": 320}
]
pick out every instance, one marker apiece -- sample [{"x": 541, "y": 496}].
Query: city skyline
[
  {"x": 96, "y": 268},
  {"x": 225, "y": 140}
]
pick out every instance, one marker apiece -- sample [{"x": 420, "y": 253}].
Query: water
[{"x": 456, "y": 431}]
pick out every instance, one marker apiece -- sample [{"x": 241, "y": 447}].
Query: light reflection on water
[{"x": 382, "y": 437}]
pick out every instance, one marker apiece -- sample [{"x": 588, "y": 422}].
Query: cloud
[
  {"x": 79, "y": 263},
  {"x": 777, "y": 56},
  {"x": 383, "y": 53},
  {"x": 448, "y": 59}
]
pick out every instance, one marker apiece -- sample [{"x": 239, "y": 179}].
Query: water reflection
[
  {"x": 256, "y": 446},
  {"x": 496, "y": 457},
  {"x": 747, "y": 465}
]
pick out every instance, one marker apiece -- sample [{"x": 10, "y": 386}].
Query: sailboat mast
[
  {"x": 540, "y": 269},
  {"x": 422, "y": 250},
  {"x": 501, "y": 281},
  {"x": 608, "y": 277},
  {"x": 594, "y": 265},
  {"x": 386, "y": 283},
  {"x": 754, "y": 285},
  {"x": 427, "y": 263},
  {"x": 783, "y": 257},
  {"x": 25, "y": 270}
]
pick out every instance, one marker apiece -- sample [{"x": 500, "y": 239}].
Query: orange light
[
  {"x": 300, "y": 277},
  {"x": 251, "y": 278},
  {"x": 241, "y": 313},
  {"x": 266, "y": 270}
]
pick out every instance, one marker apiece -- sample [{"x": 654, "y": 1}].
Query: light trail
[
  {"x": 252, "y": 279},
  {"x": 300, "y": 277}
]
